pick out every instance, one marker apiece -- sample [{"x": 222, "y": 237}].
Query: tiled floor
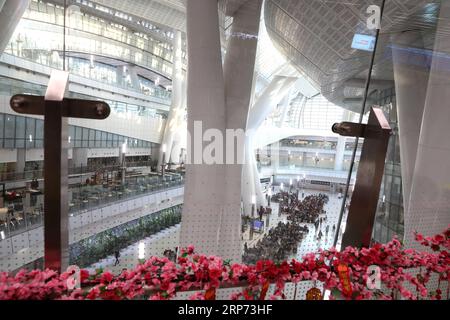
[
  {"x": 169, "y": 238},
  {"x": 153, "y": 246}
]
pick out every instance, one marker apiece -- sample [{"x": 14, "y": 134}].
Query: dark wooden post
[
  {"x": 56, "y": 110},
  {"x": 364, "y": 202},
  {"x": 56, "y": 220}
]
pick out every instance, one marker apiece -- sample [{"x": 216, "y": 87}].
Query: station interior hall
[{"x": 249, "y": 130}]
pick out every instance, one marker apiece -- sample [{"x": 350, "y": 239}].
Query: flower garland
[{"x": 160, "y": 278}]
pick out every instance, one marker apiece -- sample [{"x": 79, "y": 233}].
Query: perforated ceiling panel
[
  {"x": 166, "y": 12},
  {"x": 317, "y": 37}
]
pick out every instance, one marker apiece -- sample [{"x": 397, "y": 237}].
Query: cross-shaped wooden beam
[
  {"x": 364, "y": 203},
  {"x": 56, "y": 110}
]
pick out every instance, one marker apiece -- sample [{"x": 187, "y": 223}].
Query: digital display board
[{"x": 363, "y": 42}]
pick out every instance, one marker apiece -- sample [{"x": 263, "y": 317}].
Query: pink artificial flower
[
  {"x": 197, "y": 296},
  {"x": 106, "y": 277}
]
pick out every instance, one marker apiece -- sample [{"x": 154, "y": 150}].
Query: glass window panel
[
  {"x": 85, "y": 134},
  {"x": 91, "y": 135},
  {"x": 20, "y": 128},
  {"x": 31, "y": 127},
  {"x": 2, "y": 126},
  {"x": 10, "y": 125},
  {"x": 104, "y": 139},
  {"x": 71, "y": 133},
  {"x": 20, "y": 143},
  {"x": 9, "y": 143},
  {"x": 39, "y": 143},
  {"x": 78, "y": 133},
  {"x": 98, "y": 137},
  {"x": 109, "y": 140},
  {"x": 40, "y": 129}
]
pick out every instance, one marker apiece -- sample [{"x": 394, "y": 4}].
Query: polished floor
[{"x": 169, "y": 239}]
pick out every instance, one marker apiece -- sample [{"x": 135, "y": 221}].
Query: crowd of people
[
  {"x": 282, "y": 241},
  {"x": 307, "y": 210},
  {"x": 277, "y": 244}
]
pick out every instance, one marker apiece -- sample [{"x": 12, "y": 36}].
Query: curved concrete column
[
  {"x": 220, "y": 100},
  {"x": 272, "y": 95},
  {"x": 340, "y": 148},
  {"x": 411, "y": 81},
  {"x": 176, "y": 114},
  {"x": 180, "y": 137},
  {"x": 248, "y": 178},
  {"x": 239, "y": 75},
  {"x": 429, "y": 206},
  {"x": 204, "y": 186},
  {"x": 285, "y": 104},
  {"x": 10, "y": 15},
  {"x": 134, "y": 77}
]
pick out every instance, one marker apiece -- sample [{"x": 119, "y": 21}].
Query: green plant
[{"x": 95, "y": 248}]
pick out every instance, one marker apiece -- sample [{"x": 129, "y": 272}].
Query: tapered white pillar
[
  {"x": 266, "y": 103},
  {"x": 340, "y": 147},
  {"x": 429, "y": 206},
  {"x": 411, "y": 81},
  {"x": 10, "y": 15},
  {"x": 204, "y": 185},
  {"x": 285, "y": 105},
  {"x": 136, "y": 84},
  {"x": 175, "y": 119},
  {"x": 211, "y": 213},
  {"x": 239, "y": 74}
]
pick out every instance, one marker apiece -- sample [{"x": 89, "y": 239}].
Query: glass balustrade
[
  {"x": 38, "y": 39},
  {"x": 25, "y": 211}
]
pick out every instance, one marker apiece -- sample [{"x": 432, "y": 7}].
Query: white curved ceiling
[
  {"x": 169, "y": 13},
  {"x": 317, "y": 36}
]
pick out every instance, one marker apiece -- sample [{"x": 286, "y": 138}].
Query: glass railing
[
  {"x": 10, "y": 87},
  {"x": 39, "y": 174},
  {"x": 25, "y": 212},
  {"x": 161, "y": 52},
  {"x": 77, "y": 67},
  {"x": 309, "y": 144}
]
